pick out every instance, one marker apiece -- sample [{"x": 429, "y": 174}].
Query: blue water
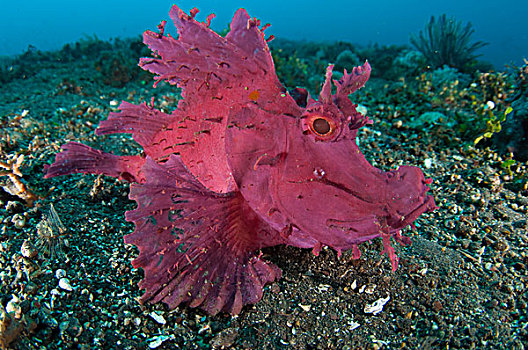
[{"x": 51, "y": 24}]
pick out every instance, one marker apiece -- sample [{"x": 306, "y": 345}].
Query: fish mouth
[
  {"x": 343, "y": 188},
  {"x": 338, "y": 186}
]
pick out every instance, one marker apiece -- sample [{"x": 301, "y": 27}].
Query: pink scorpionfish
[{"x": 240, "y": 165}]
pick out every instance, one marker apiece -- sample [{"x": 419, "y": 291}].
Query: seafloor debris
[
  {"x": 9, "y": 329},
  {"x": 12, "y": 324},
  {"x": 11, "y": 179}
]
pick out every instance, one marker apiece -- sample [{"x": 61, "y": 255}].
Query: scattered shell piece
[
  {"x": 60, "y": 273},
  {"x": 64, "y": 283},
  {"x": 158, "y": 340},
  {"x": 361, "y": 109},
  {"x": 158, "y": 318},
  {"x": 428, "y": 163},
  {"x": 377, "y": 306},
  {"x": 353, "y": 325},
  {"x": 354, "y": 285},
  {"x": 3, "y": 276},
  {"x": 14, "y": 308},
  {"x": 12, "y": 206},
  {"x": 305, "y": 307},
  {"x": 28, "y": 250},
  {"x": 205, "y": 328},
  {"x": 18, "y": 220},
  {"x": 323, "y": 287}
]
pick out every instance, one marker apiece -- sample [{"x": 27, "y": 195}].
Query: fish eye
[{"x": 321, "y": 126}]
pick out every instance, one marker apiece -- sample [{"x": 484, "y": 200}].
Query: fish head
[{"x": 306, "y": 176}]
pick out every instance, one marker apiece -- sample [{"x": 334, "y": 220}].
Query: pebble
[
  {"x": 354, "y": 285},
  {"x": 225, "y": 339},
  {"x": 428, "y": 163},
  {"x": 397, "y": 124},
  {"x": 64, "y": 283}
]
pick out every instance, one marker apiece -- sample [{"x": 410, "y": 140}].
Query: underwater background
[
  {"x": 50, "y": 24},
  {"x": 453, "y": 103}
]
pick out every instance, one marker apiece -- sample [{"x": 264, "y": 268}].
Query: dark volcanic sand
[{"x": 461, "y": 284}]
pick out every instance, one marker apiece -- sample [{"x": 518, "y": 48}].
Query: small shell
[
  {"x": 14, "y": 308},
  {"x": 19, "y": 221},
  {"x": 28, "y": 250},
  {"x": 64, "y": 283},
  {"x": 158, "y": 318},
  {"x": 60, "y": 273},
  {"x": 305, "y": 307}
]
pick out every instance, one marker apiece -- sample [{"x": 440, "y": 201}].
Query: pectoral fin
[{"x": 196, "y": 246}]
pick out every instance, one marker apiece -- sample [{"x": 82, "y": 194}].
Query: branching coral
[
  {"x": 10, "y": 169},
  {"x": 446, "y": 41}
]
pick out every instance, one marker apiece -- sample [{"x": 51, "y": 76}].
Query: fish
[{"x": 241, "y": 164}]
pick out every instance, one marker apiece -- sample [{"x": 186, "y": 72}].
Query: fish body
[{"x": 240, "y": 165}]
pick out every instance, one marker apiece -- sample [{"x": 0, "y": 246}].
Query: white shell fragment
[
  {"x": 361, "y": 109},
  {"x": 157, "y": 341},
  {"x": 60, "y": 273},
  {"x": 377, "y": 306},
  {"x": 28, "y": 250},
  {"x": 158, "y": 318},
  {"x": 14, "y": 307},
  {"x": 428, "y": 163},
  {"x": 353, "y": 325},
  {"x": 305, "y": 307},
  {"x": 64, "y": 283}
]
